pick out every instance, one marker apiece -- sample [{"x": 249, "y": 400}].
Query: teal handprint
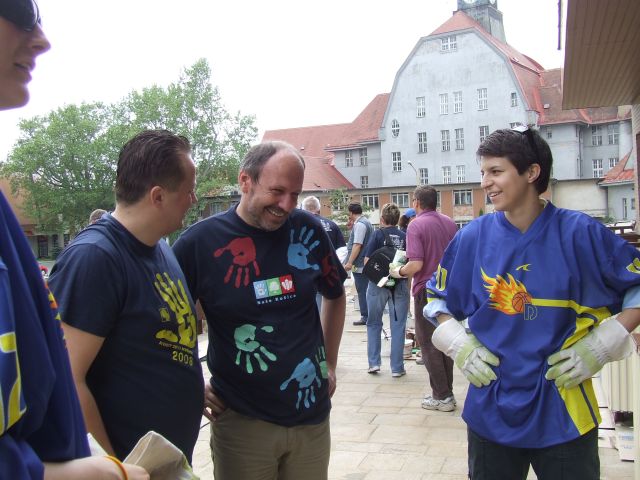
[
  {"x": 305, "y": 374},
  {"x": 249, "y": 347},
  {"x": 298, "y": 253}
]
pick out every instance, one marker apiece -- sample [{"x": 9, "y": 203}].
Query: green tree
[{"x": 64, "y": 163}]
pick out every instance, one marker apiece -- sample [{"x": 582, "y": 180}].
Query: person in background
[
  {"x": 256, "y": 269},
  {"x": 550, "y": 296},
  {"x": 42, "y": 433},
  {"x": 406, "y": 218},
  {"x": 379, "y": 297},
  {"x": 427, "y": 237},
  {"x": 312, "y": 204},
  {"x": 96, "y": 215},
  {"x": 128, "y": 317},
  {"x": 361, "y": 232}
]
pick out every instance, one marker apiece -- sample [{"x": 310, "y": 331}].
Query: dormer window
[{"x": 448, "y": 44}]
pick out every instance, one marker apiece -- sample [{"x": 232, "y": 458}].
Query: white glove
[
  {"x": 606, "y": 343},
  {"x": 394, "y": 270},
  {"x": 467, "y": 352}
]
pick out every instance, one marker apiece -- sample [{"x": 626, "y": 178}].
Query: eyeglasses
[
  {"x": 22, "y": 13},
  {"x": 526, "y": 131}
]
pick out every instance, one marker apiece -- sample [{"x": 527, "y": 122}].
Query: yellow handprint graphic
[{"x": 176, "y": 297}]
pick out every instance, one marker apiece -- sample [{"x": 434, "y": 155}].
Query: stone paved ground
[{"x": 379, "y": 431}]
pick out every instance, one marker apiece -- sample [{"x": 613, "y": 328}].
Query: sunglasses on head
[
  {"x": 22, "y": 13},
  {"x": 526, "y": 131}
]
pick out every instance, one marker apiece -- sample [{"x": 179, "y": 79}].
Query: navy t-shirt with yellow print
[
  {"x": 257, "y": 289},
  {"x": 147, "y": 375}
]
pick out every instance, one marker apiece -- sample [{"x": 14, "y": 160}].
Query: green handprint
[
  {"x": 178, "y": 301},
  {"x": 321, "y": 360},
  {"x": 245, "y": 337}
]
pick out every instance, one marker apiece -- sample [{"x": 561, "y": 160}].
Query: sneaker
[
  {"x": 374, "y": 369},
  {"x": 399, "y": 374},
  {"x": 360, "y": 322},
  {"x": 419, "y": 361},
  {"x": 446, "y": 405}
]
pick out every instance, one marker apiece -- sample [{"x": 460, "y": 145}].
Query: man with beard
[{"x": 256, "y": 269}]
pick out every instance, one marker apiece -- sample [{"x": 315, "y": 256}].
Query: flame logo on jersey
[{"x": 508, "y": 296}]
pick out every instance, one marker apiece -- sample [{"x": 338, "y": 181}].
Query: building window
[
  {"x": 484, "y": 132},
  {"x": 457, "y": 102},
  {"x": 363, "y": 157},
  {"x": 460, "y": 175},
  {"x": 448, "y": 44},
  {"x": 364, "y": 181},
  {"x": 43, "y": 246},
  {"x": 424, "y": 176},
  {"x": 438, "y": 199},
  {"x": 613, "y": 161},
  {"x": 446, "y": 140},
  {"x": 549, "y": 132},
  {"x": 348, "y": 158},
  {"x": 370, "y": 200},
  {"x": 482, "y": 99},
  {"x": 625, "y": 211},
  {"x": 421, "y": 107},
  {"x": 514, "y": 99},
  {"x": 422, "y": 142},
  {"x": 395, "y": 127},
  {"x": 461, "y": 223},
  {"x": 459, "y": 138},
  {"x": 596, "y": 136},
  {"x": 462, "y": 197},
  {"x": 597, "y": 167},
  {"x": 396, "y": 160},
  {"x": 446, "y": 174},
  {"x": 613, "y": 132},
  {"x": 444, "y": 104},
  {"x": 400, "y": 199},
  {"x": 66, "y": 238},
  {"x": 633, "y": 204}
]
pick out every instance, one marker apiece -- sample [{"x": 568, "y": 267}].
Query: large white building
[{"x": 457, "y": 85}]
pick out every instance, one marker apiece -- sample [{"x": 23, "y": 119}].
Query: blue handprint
[
  {"x": 305, "y": 374},
  {"x": 299, "y": 252},
  {"x": 245, "y": 337}
]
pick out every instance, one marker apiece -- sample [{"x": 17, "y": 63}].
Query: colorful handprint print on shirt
[
  {"x": 251, "y": 349},
  {"x": 243, "y": 251},
  {"x": 306, "y": 376},
  {"x": 298, "y": 253}
]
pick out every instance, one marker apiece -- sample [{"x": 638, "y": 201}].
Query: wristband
[{"x": 120, "y": 466}]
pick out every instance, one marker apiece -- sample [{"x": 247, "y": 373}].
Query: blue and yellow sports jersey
[
  {"x": 40, "y": 417},
  {"x": 527, "y": 296}
]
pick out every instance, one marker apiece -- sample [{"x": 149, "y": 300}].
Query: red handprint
[
  {"x": 329, "y": 270},
  {"x": 244, "y": 253}
]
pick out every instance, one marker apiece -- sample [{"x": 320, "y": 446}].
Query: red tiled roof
[
  {"x": 620, "y": 173},
  {"x": 526, "y": 70},
  {"x": 317, "y": 144}
]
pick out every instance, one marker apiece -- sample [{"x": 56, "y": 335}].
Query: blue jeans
[
  {"x": 377, "y": 298},
  {"x": 361, "y": 283},
  {"x": 574, "y": 460}
]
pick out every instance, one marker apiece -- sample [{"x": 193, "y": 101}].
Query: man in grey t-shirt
[{"x": 360, "y": 234}]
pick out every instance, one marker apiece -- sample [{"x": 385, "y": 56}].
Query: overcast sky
[{"x": 289, "y": 63}]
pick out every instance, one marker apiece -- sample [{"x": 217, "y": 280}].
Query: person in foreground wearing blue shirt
[
  {"x": 42, "y": 433},
  {"x": 541, "y": 287}
]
